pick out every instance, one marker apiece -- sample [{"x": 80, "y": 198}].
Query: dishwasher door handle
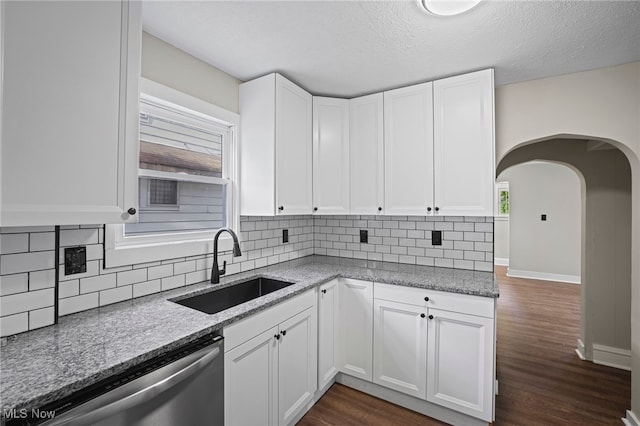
[{"x": 138, "y": 397}]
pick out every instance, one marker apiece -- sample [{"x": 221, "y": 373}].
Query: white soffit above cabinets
[{"x": 349, "y": 48}]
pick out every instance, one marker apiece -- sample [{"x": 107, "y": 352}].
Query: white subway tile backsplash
[
  {"x": 443, "y": 226},
  {"x": 14, "y": 243},
  {"x": 42, "y": 279},
  {"x": 25, "y": 229},
  {"x": 14, "y": 324},
  {"x": 443, "y": 263},
  {"x": 42, "y": 241},
  {"x": 41, "y": 318},
  {"x": 16, "y": 283},
  {"x": 160, "y": 271},
  {"x": 69, "y": 288},
  {"x": 425, "y": 261},
  {"x": 175, "y": 281},
  {"x": 97, "y": 283},
  {"x": 114, "y": 295},
  {"x": 24, "y": 302},
  {"x": 79, "y": 303},
  {"x": 25, "y": 262},
  {"x": 27, "y": 265},
  {"x": 131, "y": 277},
  {"x": 78, "y": 237},
  {"x": 149, "y": 287},
  {"x": 483, "y": 266},
  {"x": 184, "y": 267}
]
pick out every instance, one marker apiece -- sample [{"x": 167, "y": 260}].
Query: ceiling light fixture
[{"x": 449, "y": 7}]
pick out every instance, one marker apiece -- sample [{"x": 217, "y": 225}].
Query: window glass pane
[
  {"x": 163, "y": 192},
  {"x": 173, "y": 143},
  {"x": 201, "y": 206},
  {"x": 504, "y": 201}
]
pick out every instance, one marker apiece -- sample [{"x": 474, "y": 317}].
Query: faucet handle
[{"x": 224, "y": 268}]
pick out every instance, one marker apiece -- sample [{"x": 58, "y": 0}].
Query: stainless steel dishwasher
[{"x": 183, "y": 387}]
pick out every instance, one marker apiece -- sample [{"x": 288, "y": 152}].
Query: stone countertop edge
[{"x": 47, "y": 364}]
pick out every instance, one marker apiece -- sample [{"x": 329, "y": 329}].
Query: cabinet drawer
[
  {"x": 245, "y": 329},
  {"x": 455, "y": 302}
]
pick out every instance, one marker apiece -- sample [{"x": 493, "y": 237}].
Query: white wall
[
  {"x": 168, "y": 65},
  {"x": 600, "y": 104},
  {"x": 501, "y": 241},
  {"x": 544, "y": 249}
]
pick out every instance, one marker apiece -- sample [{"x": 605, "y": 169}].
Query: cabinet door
[
  {"x": 251, "y": 381},
  {"x": 464, "y": 144},
  {"x": 400, "y": 347},
  {"x": 293, "y": 148},
  {"x": 69, "y": 112},
  {"x": 356, "y": 330},
  {"x": 327, "y": 332},
  {"x": 366, "y": 129},
  {"x": 460, "y": 363},
  {"x": 257, "y": 146},
  {"x": 330, "y": 156},
  {"x": 408, "y": 148},
  {"x": 297, "y": 364}
]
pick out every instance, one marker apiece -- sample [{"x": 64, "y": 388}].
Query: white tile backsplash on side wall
[{"x": 27, "y": 264}]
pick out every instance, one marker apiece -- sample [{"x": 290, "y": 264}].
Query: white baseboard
[
  {"x": 631, "y": 419},
  {"x": 580, "y": 350},
  {"x": 501, "y": 261},
  {"x": 612, "y": 357},
  {"x": 516, "y": 273}
]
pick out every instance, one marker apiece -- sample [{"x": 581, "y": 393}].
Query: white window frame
[{"x": 121, "y": 251}]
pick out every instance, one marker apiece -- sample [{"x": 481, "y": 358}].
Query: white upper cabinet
[
  {"x": 69, "y": 137},
  {"x": 275, "y": 147},
  {"x": 464, "y": 144},
  {"x": 408, "y": 150},
  {"x": 366, "y": 127},
  {"x": 330, "y": 156}
]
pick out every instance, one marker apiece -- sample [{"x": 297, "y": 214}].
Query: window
[
  {"x": 187, "y": 180},
  {"x": 502, "y": 198}
]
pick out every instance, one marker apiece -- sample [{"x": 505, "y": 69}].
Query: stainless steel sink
[{"x": 228, "y": 297}]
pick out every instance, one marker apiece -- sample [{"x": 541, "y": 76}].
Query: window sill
[{"x": 145, "y": 253}]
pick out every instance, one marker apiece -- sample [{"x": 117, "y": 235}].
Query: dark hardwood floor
[{"x": 542, "y": 380}]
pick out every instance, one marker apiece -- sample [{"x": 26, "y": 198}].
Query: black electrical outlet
[
  {"x": 543, "y": 217},
  {"x": 75, "y": 260},
  {"x": 364, "y": 236},
  {"x": 285, "y": 235},
  {"x": 436, "y": 238}
]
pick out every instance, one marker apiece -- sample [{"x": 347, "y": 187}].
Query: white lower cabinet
[
  {"x": 297, "y": 364},
  {"x": 400, "y": 347},
  {"x": 328, "y": 332},
  {"x": 271, "y": 364},
  {"x": 436, "y": 346},
  {"x": 460, "y": 364},
  {"x": 356, "y": 328},
  {"x": 251, "y": 381}
]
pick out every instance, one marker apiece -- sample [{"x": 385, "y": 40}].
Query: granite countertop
[{"x": 43, "y": 365}]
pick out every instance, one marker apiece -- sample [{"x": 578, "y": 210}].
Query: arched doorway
[
  {"x": 605, "y": 329},
  {"x": 540, "y": 237}
]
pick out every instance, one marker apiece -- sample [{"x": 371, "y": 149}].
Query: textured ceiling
[{"x": 349, "y": 48}]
